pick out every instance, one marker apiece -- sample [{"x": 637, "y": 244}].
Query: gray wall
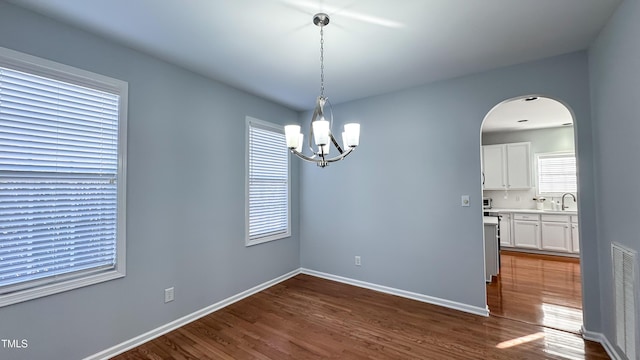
[
  {"x": 542, "y": 140},
  {"x": 396, "y": 200},
  {"x": 185, "y": 201},
  {"x": 614, "y": 61}
]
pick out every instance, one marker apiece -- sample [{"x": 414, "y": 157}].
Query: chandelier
[{"x": 320, "y": 127}]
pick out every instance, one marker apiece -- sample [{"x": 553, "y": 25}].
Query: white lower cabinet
[
  {"x": 556, "y": 236},
  {"x": 575, "y": 235},
  {"x": 526, "y": 231},
  {"x": 506, "y": 239},
  {"x": 547, "y": 232},
  {"x": 560, "y": 233}
]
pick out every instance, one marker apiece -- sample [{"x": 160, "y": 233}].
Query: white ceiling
[
  {"x": 539, "y": 112},
  {"x": 271, "y": 48}
]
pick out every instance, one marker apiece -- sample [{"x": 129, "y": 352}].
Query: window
[
  {"x": 268, "y": 208},
  {"x": 62, "y": 180},
  {"x": 556, "y": 173}
]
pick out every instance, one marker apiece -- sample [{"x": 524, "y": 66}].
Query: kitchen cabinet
[
  {"x": 560, "y": 233},
  {"x": 518, "y": 166},
  {"x": 507, "y": 166},
  {"x": 575, "y": 238},
  {"x": 575, "y": 235},
  {"x": 526, "y": 231},
  {"x": 556, "y": 234},
  {"x": 493, "y": 164},
  {"x": 506, "y": 240}
]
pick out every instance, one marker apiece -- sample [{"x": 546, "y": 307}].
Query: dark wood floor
[
  {"x": 538, "y": 289},
  {"x": 311, "y": 318}
]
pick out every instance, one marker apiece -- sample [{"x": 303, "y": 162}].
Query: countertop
[
  {"x": 532, "y": 211},
  {"x": 490, "y": 220}
]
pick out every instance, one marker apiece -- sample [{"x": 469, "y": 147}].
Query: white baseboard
[
  {"x": 402, "y": 293},
  {"x": 150, "y": 335},
  {"x": 600, "y": 338}
]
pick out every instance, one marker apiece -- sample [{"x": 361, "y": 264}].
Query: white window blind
[
  {"x": 268, "y": 183},
  {"x": 556, "y": 173},
  {"x": 58, "y": 181}
]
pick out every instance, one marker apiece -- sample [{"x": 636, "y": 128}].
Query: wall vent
[{"x": 625, "y": 283}]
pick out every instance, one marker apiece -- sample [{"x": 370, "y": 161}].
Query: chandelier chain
[{"x": 322, "y": 61}]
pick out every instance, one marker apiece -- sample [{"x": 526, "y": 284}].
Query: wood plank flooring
[
  {"x": 538, "y": 289},
  {"x": 311, "y": 318}
]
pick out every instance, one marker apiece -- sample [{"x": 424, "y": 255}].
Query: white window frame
[
  {"x": 56, "y": 71},
  {"x": 253, "y": 122},
  {"x": 537, "y": 172}
]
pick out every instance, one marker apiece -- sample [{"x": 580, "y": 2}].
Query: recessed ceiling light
[
  {"x": 567, "y": 124},
  {"x": 523, "y": 121},
  {"x": 531, "y": 98}
]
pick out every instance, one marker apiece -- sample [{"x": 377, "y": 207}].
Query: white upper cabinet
[
  {"x": 507, "y": 166},
  {"x": 493, "y": 164},
  {"x": 518, "y": 166}
]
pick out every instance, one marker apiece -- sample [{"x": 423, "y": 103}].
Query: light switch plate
[{"x": 465, "y": 201}]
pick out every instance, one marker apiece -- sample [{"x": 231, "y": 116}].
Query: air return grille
[{"x": 624, "y": 273}]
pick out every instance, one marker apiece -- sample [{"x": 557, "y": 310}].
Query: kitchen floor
[{"x": 538, "y": 289}]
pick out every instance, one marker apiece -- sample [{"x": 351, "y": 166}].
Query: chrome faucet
[{"x": 567, "y": 206}]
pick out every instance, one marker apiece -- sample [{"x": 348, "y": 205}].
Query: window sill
[{"x": 55, "y": 288}]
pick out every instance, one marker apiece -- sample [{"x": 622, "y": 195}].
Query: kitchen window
[
  {"x": 556, "y": 174},
  {"x": 62, "y": 177},
  {"x": 267, "y": 198}
]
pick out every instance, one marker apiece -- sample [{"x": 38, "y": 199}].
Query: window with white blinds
[
  {"x": 61, "y": 177},
  {"x": 267, "y": 183},
  {"x": 556, "y": 173}
]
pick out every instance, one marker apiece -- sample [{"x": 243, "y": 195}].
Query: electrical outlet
[
  {"x": 358, "y": 261},
  {"x": 168, "y": 294}
]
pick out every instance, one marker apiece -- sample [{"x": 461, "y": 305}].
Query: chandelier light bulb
[
  {"x": 321, "y": 132},
  {"x": 324, "y": 149},
  {"x": 300, "y": 142},
  {"x": 352, "y": 132},
  {"x": 292, "y": 134}
]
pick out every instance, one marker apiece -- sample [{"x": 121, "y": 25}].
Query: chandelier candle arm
[
  {"x": 320, "y": 127},
  {"x": 336, "y": 144}
]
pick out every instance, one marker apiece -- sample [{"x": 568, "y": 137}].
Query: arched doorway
[{"x": 529, "y": 163}]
